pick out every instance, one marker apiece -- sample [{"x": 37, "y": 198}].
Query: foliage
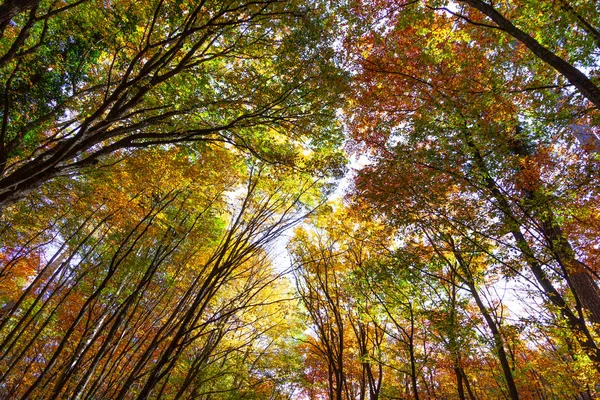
[{"x": 155, "y": 156}]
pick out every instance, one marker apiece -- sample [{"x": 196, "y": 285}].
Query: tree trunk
[
  {"x": 586, "y": 87},
  {"x": 11, "y": 8},
  {"x": 575, "y": 322},
  {"x": 492, "y": 325},
  {"x": 459, "y": 381}
]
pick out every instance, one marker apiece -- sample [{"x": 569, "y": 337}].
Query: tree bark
[{"x": 11, "y": 8}]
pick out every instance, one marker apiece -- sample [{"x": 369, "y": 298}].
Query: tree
[
  {"x": 241, "y": 73},
  {"x": 155, "y": 284},
  {"x": 465, "y": 143},
  {"x": 588, "y": 88},
  {"x": 346, "y": 348}
]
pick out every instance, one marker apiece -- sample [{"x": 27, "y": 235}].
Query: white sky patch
[
  {"x": 278, "y": 253},
  {"x": 357, "y": 162}
]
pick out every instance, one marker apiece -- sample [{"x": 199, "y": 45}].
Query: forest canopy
[{"x": 278, "y": 199}]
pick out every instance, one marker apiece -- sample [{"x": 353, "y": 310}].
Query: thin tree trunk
[
  {"x": 468, "y": 385},
  {"x": 492, "y": 325},
  {"x": 459, "y": 381}
]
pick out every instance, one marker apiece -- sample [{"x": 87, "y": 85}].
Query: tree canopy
[{"x": 277, "y": 199}]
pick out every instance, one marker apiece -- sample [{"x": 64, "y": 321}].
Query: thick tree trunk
[
  {"x": 11, "y": 8},
  {"x": 575, "y": 322},
  {"x": 581, "y": 282},
  {"x": 577, "y": 275},
  {"x": 585, "y": 86}
]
